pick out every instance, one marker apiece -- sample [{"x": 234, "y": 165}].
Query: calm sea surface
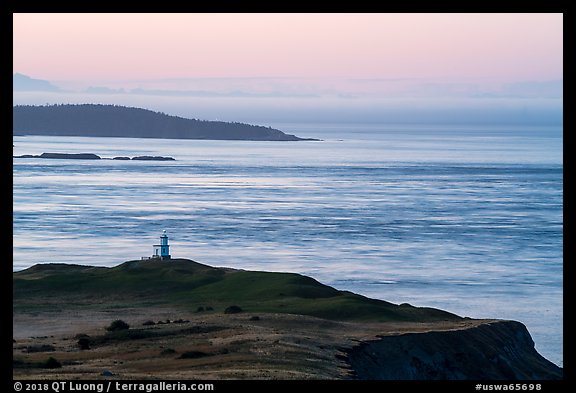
[{"x": 466, "y": 219}]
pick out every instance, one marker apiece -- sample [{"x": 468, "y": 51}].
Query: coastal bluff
[
  {"x": 284, "y": 326},
  {"x": 493, "y": 350}
]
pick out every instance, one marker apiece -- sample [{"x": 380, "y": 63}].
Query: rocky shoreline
[{"x": 92, "y": 156}]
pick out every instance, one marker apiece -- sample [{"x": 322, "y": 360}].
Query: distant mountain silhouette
[
  {"x": 21, "y": 82},
  {"x": 120, "y": 121}
]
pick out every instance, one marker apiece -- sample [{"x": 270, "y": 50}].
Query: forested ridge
[{"x": 120, "y": 121}]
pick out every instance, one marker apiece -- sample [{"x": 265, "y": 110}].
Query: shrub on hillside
[
  {"x": 118, "y": 325},
  {"x": 51, "y": 363},
  {"x": 167, "y": 351},
  {"x": 39, "y": 348},
  {"x": 193, "y": 355},
  {"x": 84, "y": 343},
  {"x": 232, "y": 310}
]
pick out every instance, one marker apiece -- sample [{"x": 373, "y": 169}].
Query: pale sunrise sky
[
  {"x": 337, "y": 55},
  {"x": 130, "y": 46}
]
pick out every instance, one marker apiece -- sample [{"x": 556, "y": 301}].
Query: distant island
[
  {"x": 92, "y": 156},
  {"x": 153, "y": 318},
  {"x": 98, "y": 120}
]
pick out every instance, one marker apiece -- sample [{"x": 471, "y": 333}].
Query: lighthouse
[{"x": 162, "y": 250}]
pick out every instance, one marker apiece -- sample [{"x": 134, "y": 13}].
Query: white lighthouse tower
[{"x": 162, "y": 250}]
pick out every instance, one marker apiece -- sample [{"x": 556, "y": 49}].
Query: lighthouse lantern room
[{"x": 162, "y": 250}]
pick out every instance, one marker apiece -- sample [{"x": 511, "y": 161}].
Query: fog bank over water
[{"x": 265, "y": 110}]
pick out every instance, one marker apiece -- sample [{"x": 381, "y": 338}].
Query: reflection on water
[{"x": 468, "y": 222}]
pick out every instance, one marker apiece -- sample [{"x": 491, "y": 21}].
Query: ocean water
[{"x": 466, "y": 219}]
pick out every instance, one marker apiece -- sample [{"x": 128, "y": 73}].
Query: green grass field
[{"x": 187, "y": 284}]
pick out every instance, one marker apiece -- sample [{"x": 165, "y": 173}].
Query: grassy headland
[{"x": 190, "y": 285}]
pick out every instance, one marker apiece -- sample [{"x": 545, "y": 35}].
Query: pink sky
[{"x": 105, "y": 47}]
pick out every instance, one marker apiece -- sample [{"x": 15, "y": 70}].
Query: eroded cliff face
[{"x": 501, "y": 350}]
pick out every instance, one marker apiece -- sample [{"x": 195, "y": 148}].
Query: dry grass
[{"x": 277, "y": 346}]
